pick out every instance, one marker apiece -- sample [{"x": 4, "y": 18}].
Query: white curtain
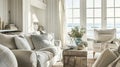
[
  {"x": 62, "y": 20},
  {"x": 55, "y": 16}
]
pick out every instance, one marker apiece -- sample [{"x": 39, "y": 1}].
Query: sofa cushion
[
  {"x": 41, "y": 41},
  {"x": 22, "y": 43},
  {"x": 7, "y": 58},
  {"x": 8, "y": 41},
  {"x": 105, "y": 58}
]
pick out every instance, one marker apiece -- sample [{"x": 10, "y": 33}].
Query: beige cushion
[
  {"x": 104, "y": 35},
  {"x": 22, "y": 43},
  {"x": 8, "y": 41},
  {"x": 7, "y": 58},
  {"x": 105, "y": 59}
]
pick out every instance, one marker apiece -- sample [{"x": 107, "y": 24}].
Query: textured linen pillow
[
  {"x": 22, "y": 43},
  {"x": 8, "y": 41},
  {"x": 105, "y": 59},
  {"x": 42, "y": 41}
]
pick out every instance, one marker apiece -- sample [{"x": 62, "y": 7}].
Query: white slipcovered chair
[{"x": 103, "y": 39}]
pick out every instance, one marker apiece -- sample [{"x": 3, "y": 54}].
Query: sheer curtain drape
[
  {"x": 55, "y": 16},
  {"x": 62, "y": 20}
]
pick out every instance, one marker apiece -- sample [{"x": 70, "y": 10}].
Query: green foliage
[{"x": 76, "y": 32}]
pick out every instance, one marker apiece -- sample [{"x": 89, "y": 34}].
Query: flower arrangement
[
  {"x": 76, "y": 32},
  {"x": 76, "y": 35}
]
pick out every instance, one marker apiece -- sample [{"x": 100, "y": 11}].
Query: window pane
[
  {"x": 76, "y": 3},
  {"x": 117, "y": 12},
  {"x": 117, "y": 23},
  {"x": 89, "y": 12},
  {"x": 117, "y": 3},
  {"x": 118, "y": 32},
  {"x": 97, "y": 23},
  {"x": 69, "y": 22},
  {"x": 69, "y": 13},
  {"x": 110, "y": 22},
  {"x": 110, "y": 3},
  {"x": 97, "y": 12},
  {"x": 110, "y": 12},
  {"x": 76, "y": 12},
  {"x": 89, "y": 24},
  {"x": 76, "y": 22},
  {"x": 89, "y": 3},
  {"x": 68, "y": 3},
  {"x": 97, "y": 3},
  {"x": 90, "y": 33}
]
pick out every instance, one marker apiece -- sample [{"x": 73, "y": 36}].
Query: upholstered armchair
[
  {"x": 7, "y": 58},
  {"x": 103, "y": 39}
]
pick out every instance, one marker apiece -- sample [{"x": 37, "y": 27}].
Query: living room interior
[{"x": 59, "y": 33}]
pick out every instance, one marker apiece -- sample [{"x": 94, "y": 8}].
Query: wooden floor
[{"x": 89, "y": 63}]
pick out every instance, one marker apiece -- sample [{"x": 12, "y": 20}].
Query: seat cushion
[
  {"x": 8, "y": 41},
  {"x": 7, "y": 58}
]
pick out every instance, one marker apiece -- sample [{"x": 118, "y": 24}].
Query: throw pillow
[
  {"x": 42, "y": 41},
  {"x": 105, "y": 59},
  {"x": 22, "y": 43},
  {"x": 8, "y": 41}
]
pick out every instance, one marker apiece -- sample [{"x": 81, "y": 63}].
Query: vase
[{"x": 78, "y": 41}]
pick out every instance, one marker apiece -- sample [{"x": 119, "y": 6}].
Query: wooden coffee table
[{"x": 74, "y": 58}]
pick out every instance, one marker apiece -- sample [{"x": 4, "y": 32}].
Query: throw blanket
[
  {"x": 43, "y": 57},
  {"x": 115, "y": 63}
]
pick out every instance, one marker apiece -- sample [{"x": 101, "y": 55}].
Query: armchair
[
  {"x": 7, "y": 58},
  {"x": 103, "y": 39}
]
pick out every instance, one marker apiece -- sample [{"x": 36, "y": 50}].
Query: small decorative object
[
  {"x": 82, "y": 45},
  {"x": 41, "y": 29},
  {"x": 1, "y": 24}
]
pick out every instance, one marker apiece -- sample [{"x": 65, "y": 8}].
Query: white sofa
[{"x": 45, "y": 57}]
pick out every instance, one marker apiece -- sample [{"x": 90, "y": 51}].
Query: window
[
  {"x": 93, "y": 16},
  {"x": 113, "y": 15},
  {"x": 98, "y": 14},
  {"x": 72, "y": 15}
]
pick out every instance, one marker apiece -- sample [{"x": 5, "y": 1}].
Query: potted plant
[{"x": 76, "y": 34}]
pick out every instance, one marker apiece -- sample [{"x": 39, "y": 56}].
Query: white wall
[
  {"x": 4, "y": 10},
  {"x": 16, "y": 12}
]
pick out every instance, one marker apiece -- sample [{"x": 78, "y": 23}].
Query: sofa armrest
[
  {"x": 58, "y": 43},
  {"x": 25, "y": 58}
]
